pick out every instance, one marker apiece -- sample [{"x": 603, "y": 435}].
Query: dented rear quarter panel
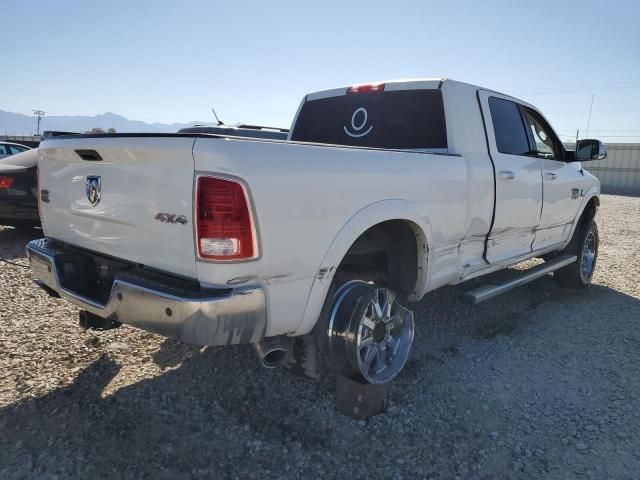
[{"x": 305, "y": 195}]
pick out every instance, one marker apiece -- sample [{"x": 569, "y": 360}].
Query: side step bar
[{"x": 486, "y": 292}]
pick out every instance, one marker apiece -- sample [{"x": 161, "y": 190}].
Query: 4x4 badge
[{"x": 171, "y": 218}]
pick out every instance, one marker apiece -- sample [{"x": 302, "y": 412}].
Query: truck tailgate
[{"x": 130, "y": 197}]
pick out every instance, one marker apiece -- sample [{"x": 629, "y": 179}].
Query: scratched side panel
[{"x": 303, "y": 195}]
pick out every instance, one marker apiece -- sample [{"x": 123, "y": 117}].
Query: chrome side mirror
[{"x": 590, "y": 149}]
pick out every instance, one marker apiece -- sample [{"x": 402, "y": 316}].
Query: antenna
[
  {"x": 220, "y": 122},
  {"x": 39, "y": 114},
  {"x": 589, "y": 119}
]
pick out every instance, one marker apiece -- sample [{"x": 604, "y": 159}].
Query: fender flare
[
  {"x": 360, "y": 222},
  {"x": 593, "y": 192}
]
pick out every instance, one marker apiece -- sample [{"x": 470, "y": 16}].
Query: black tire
[{"x": 580, "y": 273}]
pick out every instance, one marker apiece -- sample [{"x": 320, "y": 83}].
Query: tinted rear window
[
  {"x": 404, "y": 119},
  {"x": 511, "y": 136}
]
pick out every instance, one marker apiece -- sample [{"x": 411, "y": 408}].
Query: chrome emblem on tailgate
[{"x": 92, "y": 189}]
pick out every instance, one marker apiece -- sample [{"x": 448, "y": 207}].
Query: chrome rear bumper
[{"x": 157, "y": 304}]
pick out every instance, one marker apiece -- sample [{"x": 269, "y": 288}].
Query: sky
[{"x": 253, "y": 61}]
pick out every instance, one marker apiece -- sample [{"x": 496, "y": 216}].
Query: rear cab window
[{"x": 396, "y": 119}]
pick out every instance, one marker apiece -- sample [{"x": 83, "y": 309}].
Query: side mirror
[{"x": 589, "y": 149}]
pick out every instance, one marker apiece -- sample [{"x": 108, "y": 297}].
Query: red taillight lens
[
  {"x": 223, "y": 220},
  {"x": 6, "y": 182},
  {"x": 370, "y": 87}
]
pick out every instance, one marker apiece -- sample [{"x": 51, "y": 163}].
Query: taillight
[
  {"x": 366, "y": 88},
  {"x": 223, "y": 220},
  {"x": 6, "y": 182}
]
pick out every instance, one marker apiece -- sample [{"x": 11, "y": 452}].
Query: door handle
[
  {"x": 506, "y": 175},
  {"x": 550, "y": 176}
]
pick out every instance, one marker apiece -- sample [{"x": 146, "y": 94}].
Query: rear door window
[
  {"x": 402, "y": 119},
  {"x": 508, "y": 127}
]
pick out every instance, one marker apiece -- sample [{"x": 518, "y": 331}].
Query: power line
[
  {"x": 582, "y": 88},
  {"x": 615, "y": 130},
  {"x": 605, "y": 136},
  {"x": 597, "y": 111}
]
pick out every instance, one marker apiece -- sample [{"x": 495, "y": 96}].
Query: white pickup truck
[{"x": 312, "y": 247}]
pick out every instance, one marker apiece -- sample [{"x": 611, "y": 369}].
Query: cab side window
[
  {"x": 3, "y": 150},
  {"x": 511, "y": 136},
  {"x": 545, "y": 144}
]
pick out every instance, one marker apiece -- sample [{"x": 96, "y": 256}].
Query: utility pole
[{"x": 39, "y": 114}]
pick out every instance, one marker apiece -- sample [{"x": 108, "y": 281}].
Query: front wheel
[
  {"x": 370, "y": 333},
  {"x": 580, "y": 273}
]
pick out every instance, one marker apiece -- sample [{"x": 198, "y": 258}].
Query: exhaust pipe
[
  {"x": 90, "y": 321},
  {"x": 271, "y": 352}
]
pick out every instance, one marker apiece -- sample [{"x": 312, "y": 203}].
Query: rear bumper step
[
  {"x": 205, "y": 317},
  {"x": 486, "y": 292}
]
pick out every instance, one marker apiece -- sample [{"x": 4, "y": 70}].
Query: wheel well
[
  {"x": 590, "y": 210},
  {"x": 386, "y": 254}
]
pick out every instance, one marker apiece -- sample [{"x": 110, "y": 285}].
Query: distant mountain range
[{"x": 19, "y": 124}]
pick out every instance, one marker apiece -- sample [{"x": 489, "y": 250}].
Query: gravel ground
[{"x": 542, "y": 382}]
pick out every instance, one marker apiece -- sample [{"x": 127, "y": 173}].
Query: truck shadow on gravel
[
  {"x": 209, "y": 410},
  {"x": 219, "y": 413},
  {"x": 13, "y": 241}
]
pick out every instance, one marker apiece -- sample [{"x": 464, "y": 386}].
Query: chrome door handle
[
  {"x": 550, "y": 176},
  {"x": 507, "y": 175}
]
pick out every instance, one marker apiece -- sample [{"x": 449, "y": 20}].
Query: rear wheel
[
  {"x": 370, "y": 333},
  {"x": 580, "y": 273}
]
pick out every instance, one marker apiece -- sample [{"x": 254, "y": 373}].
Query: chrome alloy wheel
[
  {"x": 587, "y": 260},
  {"x": 370, "y": 333}
]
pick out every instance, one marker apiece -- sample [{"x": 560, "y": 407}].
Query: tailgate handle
[{"x": 90, "y": 155}]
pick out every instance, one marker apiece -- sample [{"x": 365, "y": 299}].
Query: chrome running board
[{"x": 486, "y": 292}]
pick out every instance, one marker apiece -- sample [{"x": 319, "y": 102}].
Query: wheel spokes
[
  {"x": 369, "y": 355},
  {"x": 388, "y": 303},
  {"x": 392, "y": 343},
  {"x": 366, "y": 341},
  {"x": 377, "y": 309},
  {"x": 368, "y": 323},
  {"x": 375, "y": 345},
  {"x": 381, "y": 359}
]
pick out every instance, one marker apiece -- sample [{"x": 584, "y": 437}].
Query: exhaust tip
[
  {"x": 271, "y": 352},
  {"x": 274, "y": 358}
]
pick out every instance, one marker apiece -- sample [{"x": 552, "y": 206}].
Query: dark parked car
[{"x": 18, "y": 186}]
